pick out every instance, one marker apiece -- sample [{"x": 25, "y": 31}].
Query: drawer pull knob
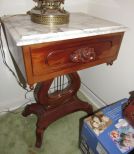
[{"x": 83, "y": 55}]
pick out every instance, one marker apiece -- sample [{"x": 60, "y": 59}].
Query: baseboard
[
  {"x": 92, "y": 97},
  {"x": 13, "y": 105}
]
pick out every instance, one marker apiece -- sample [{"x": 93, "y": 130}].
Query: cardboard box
[{"x": 107, "y": 132}]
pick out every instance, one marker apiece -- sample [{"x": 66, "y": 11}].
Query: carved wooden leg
[
  {"x": 50, "y": 107},
  {"x": 39, "y": 136}
]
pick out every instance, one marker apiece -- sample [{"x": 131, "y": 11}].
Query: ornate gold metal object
[{"x": 49, "y": 12}]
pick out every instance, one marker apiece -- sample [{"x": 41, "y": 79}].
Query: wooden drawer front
[
  {"x": 73, "y": 55},
  {"x": 45, "y": 60}
]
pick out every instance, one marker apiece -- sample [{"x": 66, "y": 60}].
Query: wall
[
  {"x": 108, "y": 83},
  {"x": 12, "y": 95},
  {"x": 112, "y": 83}
]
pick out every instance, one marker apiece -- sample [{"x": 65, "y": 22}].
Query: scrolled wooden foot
[
  {"x": 35, "y": 108},
  {"x": 26, "y": 111},
  {"x": 87, "y": 108}
]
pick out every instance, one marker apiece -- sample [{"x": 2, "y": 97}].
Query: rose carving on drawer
[{"x": 85, "y": 54}]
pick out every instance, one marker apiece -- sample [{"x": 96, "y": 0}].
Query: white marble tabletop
[{"x": 25, "y": 32}]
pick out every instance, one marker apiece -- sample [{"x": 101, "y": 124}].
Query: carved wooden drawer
[{"x": 47, "y": 60}]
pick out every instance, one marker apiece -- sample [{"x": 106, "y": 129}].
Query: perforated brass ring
[{"x": 51, "y": 19}]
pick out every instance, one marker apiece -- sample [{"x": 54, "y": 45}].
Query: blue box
[{"x": 107, "y": 132}]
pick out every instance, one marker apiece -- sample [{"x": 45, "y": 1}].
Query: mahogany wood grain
[{"x": 47, "y": 60}]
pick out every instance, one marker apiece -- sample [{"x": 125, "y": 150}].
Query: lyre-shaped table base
[{"x": 50, "y": 107}]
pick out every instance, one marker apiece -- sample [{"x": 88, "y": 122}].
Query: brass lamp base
[
  {"x": 49, "y": 12},
  {"x": 51, "y": 19}
]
